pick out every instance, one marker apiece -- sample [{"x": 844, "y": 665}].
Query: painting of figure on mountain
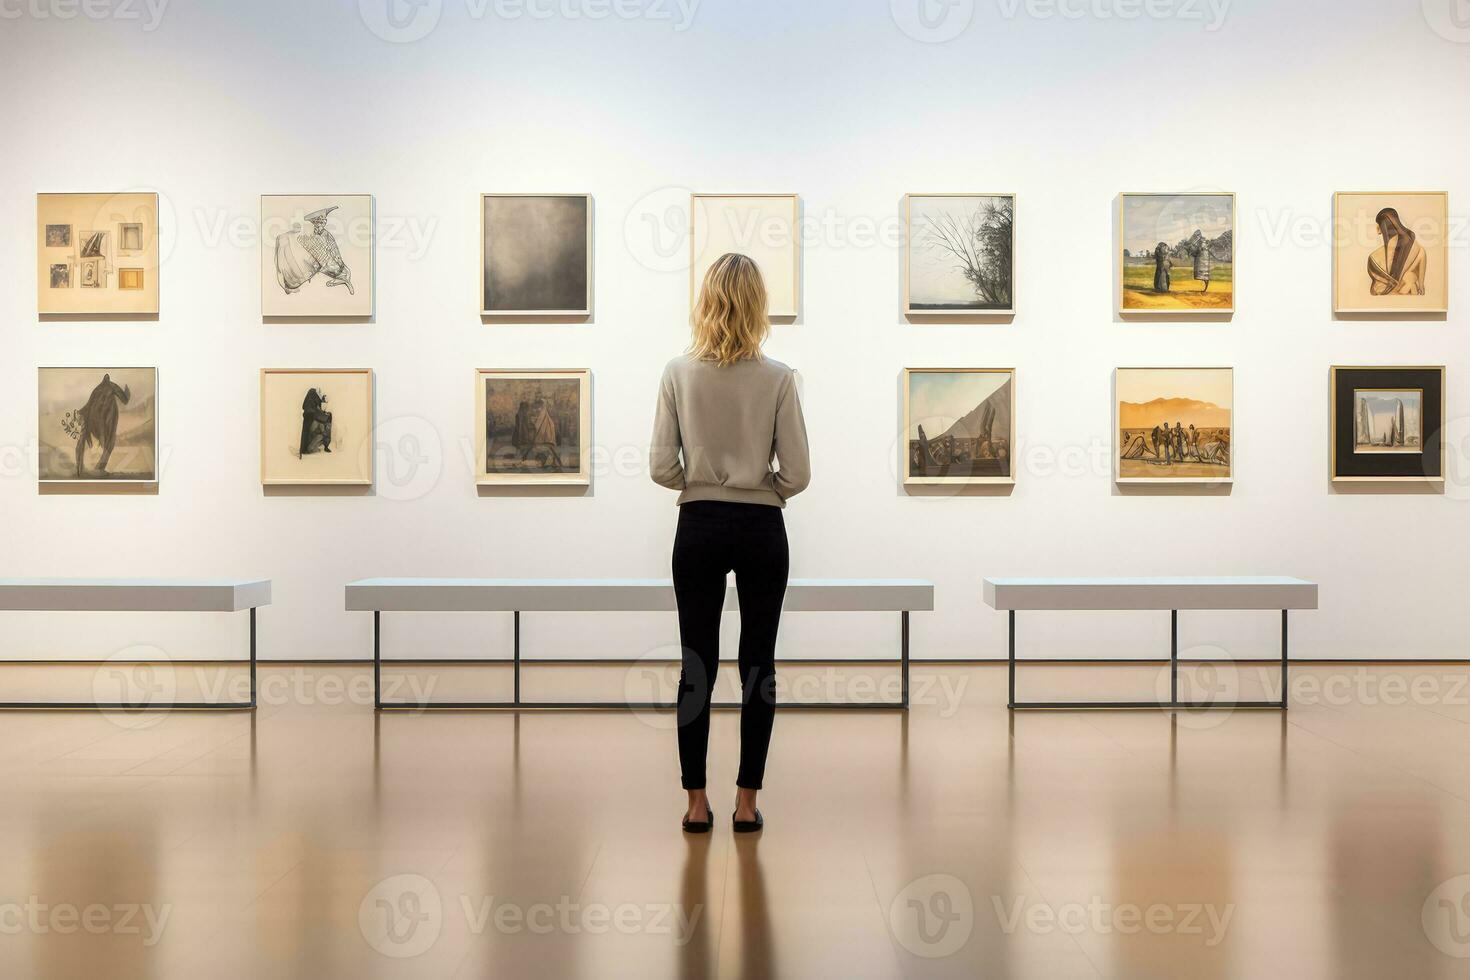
[
  {"x": 959, "y": 425},
  {"x": 1390, "y": 253},
  {"x": 316, "y": 255},
  {"x": 1174, "y": 424},
  {"x": 1178, "y": 253},
  {"x": 97, "y": 425},
  {"x": 1388, "y": 421},
  {"x": 959, "y": 253}
]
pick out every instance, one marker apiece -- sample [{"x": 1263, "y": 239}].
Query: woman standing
[{"x": 725, "y": 413}]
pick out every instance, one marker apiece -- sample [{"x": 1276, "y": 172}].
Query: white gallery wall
[{"x": 639, "y": 102}]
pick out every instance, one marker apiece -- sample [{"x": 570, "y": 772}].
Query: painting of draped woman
[
  {"x": 98, "y": 425},
  {"x": 1390, "y": 253},
  {"x": 534, "y": 427}
]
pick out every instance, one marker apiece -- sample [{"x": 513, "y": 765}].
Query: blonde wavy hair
[{"x": 730, "y": 321}]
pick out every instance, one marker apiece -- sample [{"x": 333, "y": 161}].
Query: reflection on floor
[{"x": 316, "y": 839}]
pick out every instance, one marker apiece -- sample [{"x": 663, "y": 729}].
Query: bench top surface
[
  {"x": 612, "y": 594},
  {"x": 134, "y": 594},
  {"x": 1222, "y": 581},
  {"x": 1159, "y": 592},
  {"x": 615, "y": 583}
]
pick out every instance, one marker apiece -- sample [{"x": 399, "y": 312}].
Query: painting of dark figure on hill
[
  {"x": 959, "y": 253},
  {"x": 535, "y": 426},
  {"x": 959, "y": 425},
  {"x": 97, "y": 425}
]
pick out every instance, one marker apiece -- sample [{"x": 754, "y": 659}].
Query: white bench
[
  {"x": 136, "y": 595},
  {"x": 1173, "y": 594},
  {"x": 380, "y": 595}
]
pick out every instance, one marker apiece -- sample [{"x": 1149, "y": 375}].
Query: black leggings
[{"x": 716, "y": 537}]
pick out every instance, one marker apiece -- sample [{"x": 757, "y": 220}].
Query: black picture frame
[{"x": 1426, "y": 465}]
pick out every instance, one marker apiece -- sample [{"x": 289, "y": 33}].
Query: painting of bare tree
[{"x": 959, "y": 254}]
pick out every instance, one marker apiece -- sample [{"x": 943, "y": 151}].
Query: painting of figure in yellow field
[{"x": 1178, "y": 253}]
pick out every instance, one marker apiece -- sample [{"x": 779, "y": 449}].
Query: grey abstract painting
[{"x": 536, "y": 254}]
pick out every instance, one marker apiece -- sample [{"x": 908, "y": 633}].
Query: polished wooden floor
[{"x": 318, "y": 839}]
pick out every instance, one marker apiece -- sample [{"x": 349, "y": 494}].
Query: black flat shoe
[
  {"x": 699, "y": 826},
  {"x": 749, "y": 826}
]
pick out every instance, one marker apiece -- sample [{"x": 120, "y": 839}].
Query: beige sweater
[{"x": 729, "y": 423}]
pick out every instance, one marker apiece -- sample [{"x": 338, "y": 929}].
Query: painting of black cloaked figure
[
  {"x": 959, "y": 425},
  {"x": 536, "y": 254},
  {"x": 536, "y": 426},
  {"x": 316, "y": 427},
  {"x": 97, "y": 425}
]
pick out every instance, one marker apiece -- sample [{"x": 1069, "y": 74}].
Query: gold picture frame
[{"x": 1338, "y": 476}]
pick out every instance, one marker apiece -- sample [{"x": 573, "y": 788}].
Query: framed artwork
[
  {"x": 1178, "y": 254},
  {"x": 316, "y": 255},
  {"x": 534, "y": 427},
  {"x": 79, "y": 241},
  {"x": 1387, "y": 424},
  {"x": 959, "y": 254},
  {"x": 316, "y": 427},
  {"x": 1173, "y": 425},
  {"x": 535, "y": 255},
  {"x": 1390, "y": 252},
  {"x": 765, "y": 227},
  {"x": 959, "y": 425},
  {"x": 97, "y": 425}
]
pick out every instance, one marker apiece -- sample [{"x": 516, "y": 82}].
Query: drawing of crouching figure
[{"x": 316, "y": 423}]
